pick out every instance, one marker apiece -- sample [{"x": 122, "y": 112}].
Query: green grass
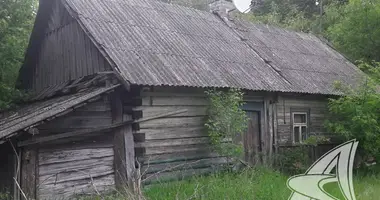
[{"x": 260, "y": 183}]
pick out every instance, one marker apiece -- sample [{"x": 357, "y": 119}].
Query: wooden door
[{"x": 252, "y": 139}]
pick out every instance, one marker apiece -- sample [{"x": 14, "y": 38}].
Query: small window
[{"x": 299, "y": 127}]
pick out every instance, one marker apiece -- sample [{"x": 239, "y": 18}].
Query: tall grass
[
  {"x": 262, "y": 184},
  {"x": 259, "y": 183}
]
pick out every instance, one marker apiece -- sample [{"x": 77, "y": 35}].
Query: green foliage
[
  {"x": 16, "y": 21},
  {"x": 294, "y": 160},
  {"x": 5, "y": 195},
  {"x": 226, "y": 121},
  {"x": 356, "y": 115},
  {"x": 256, "y": 183},
  {"x": 314, "y": 140},
  {"x": 354, "y": 29}
]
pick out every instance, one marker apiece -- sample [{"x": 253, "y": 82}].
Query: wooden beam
[
  {"x": 71, "y": 134},
  {"x": 161, "y": 116},
  {"x": 124, "y": 153},
  {"x": 29, "y": 172}
]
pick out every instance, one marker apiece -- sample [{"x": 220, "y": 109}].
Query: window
[{"x": 300, "y": 126}]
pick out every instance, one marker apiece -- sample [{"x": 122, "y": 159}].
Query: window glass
[
  {"x": 299, "y": 118},
  {"x": 303, "y": 132},
  {"x": 296, "y": 134}
]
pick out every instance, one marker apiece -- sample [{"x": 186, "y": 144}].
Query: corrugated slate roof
[
  {"x": 155, "y": 43},
  {"x": 33, "y": 113}
]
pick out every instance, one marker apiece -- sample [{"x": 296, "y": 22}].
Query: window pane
[
  {"x": 304, "y": 133},
  {"x": 296, "y": 132},
  {"x": 299, "y": 118}
]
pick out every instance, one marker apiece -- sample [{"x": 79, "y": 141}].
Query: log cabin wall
[
  {"x": 62, "y": 52},
  {"x": 176, "y": 146},
  {"x": 75, "y": 165},
  {"x": 314, "y": 105}
]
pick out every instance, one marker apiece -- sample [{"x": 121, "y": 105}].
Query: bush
[
  {"x": 356, "y": 115},
  {"x": 226, "y": 121}
]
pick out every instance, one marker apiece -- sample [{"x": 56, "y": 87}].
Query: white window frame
[{"x": 300, "y": 125}]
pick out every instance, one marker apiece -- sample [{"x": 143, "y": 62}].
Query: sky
[{"x": 242, "y": 5}]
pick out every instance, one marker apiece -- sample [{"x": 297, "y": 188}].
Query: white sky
[{"x": 242, "y": 5}]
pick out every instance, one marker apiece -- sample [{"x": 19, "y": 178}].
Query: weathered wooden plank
[
  {"x": 77, "y": 122},
  {"x": 183, "y": 165},
  {"x": 177, "y": 90},
  {"x": 29, "y": 172},
  {"x": 71, "y": 134},
  {"x": 60, "y": 173},
  {"x": 66, "y": 156},
  {"x": 80, "y": 187},
  {"x": 97, "y": 140},
  {"x": 174, "y": 101},
  {"x": 171, "y": 133},
  {"x": 192, "y": 111},
  {"x": 173, "y": 122},
  {"x": 205, "y": 152},
  {"x": 173, "y": 142},
  {"x": 174, "y": 149},
  {"x": 173, "y": 94},
  {"x": 159, "y": 116}
]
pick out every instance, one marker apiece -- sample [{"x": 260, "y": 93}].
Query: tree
[
  {"x": 355, "y": 29},
  {"x": 16, "y": 21},
  {"x": 357, "y": 114},
  {"x": 226, "y": 121}
]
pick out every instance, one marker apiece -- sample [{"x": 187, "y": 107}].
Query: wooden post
[
  {"x": 270, "y": 123},
  {"x": 29, "y": 172},
  {"x": 124, "y": 149}
]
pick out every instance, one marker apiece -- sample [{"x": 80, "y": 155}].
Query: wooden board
[
  {"x": 65, "y": 173},
  {"x": 173, "y": 123},
  {"x": 192, "y": 111},
  {"x": 174, "y": 101},
  {"x": 172, "y": 133}
]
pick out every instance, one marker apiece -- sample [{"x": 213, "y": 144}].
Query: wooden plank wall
[
  {"x": 77, "y": 165},
  {"x": 175, "y": 146},
  {"x": 316, "y": 105},
  {"x": 66, "y": 53}
]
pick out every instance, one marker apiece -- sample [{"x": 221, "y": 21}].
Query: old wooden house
[{"x": 119, "y": 85}]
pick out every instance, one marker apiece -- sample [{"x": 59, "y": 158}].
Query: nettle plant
[{"x": 226, "y": 122}]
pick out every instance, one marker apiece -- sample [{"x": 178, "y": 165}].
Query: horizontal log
[
  {"x": 173, "y": 142},
  {"x": 71, "y": 134},
  {"x": 177, "y": 90},
  {"x": 171, "y": 133},
  {"x": 174, "y": 149},
  {"x": 174, "y": 101},
  {"x": 60, "y": 173},
  {"x": 76, "y": 122},
  {"x": 205, "y": 152},
  {"x": 65, "y": 156},
  {"x": 192, "y": 111},
  {"x": 80, "y": 187},
  {"x": 173, "y": 94},
  {"x": 183, "y": 165},
  {"x": 173, "y": 122}
]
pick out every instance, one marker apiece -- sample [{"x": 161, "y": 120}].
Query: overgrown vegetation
[
  {"x": 352, "y": 26},
  {"x": 16, "y": 22},
  {"x": 257, "y": 183},
  {"x": 226, "y": 121},
  {"x": 356, "y": 115}
]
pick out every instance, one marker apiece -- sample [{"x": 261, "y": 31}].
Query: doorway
[{"x": 252, "y": 138}]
